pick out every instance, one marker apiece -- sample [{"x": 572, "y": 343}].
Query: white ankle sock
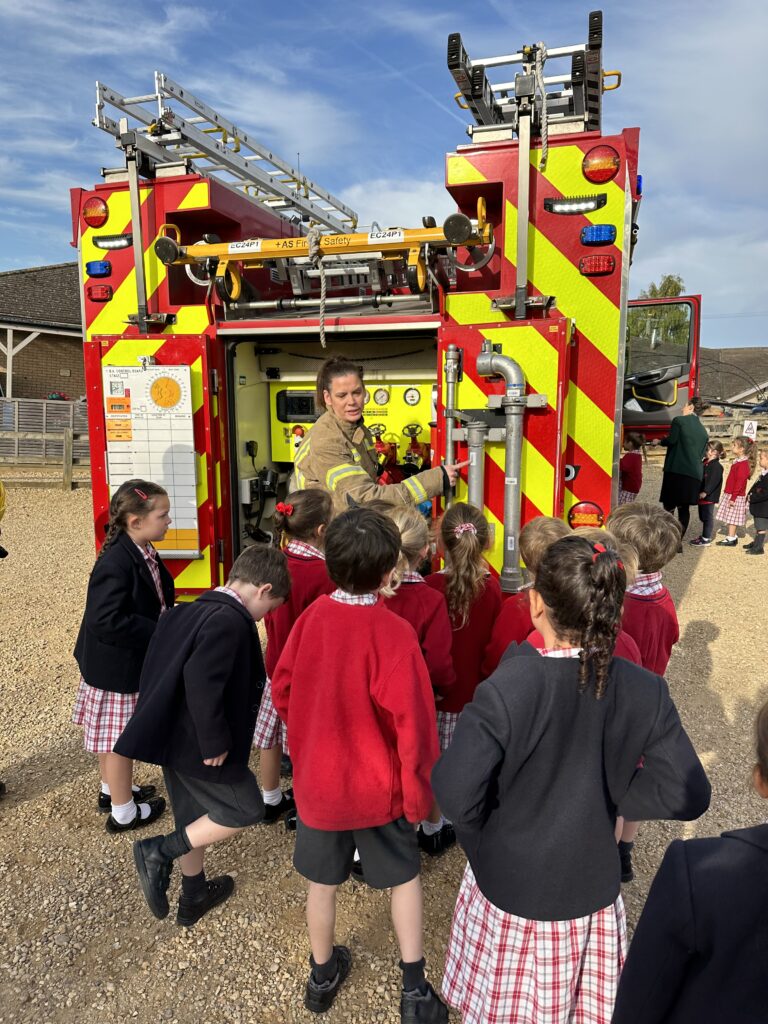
[
  {"x": 272, "y": 797},
  {"x": 431, "y": 828},
  {"x": 144, "y": 810},
  {"x": 104, "y": 788},
  {"x": 125, "y": 813}
]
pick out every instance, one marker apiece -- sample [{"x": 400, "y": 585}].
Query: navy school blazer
[
  {"x": 700, "y": 951},
  {"x": 121, "y": 613},
  {"x": 200, "y": 690}
]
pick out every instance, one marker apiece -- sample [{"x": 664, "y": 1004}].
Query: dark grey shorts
[
  {"x": 761, "y": 524},
  {"x": 389, "y": 854},
  {"x": 232, "y": 804}
]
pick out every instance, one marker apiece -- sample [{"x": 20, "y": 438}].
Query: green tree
[{"x": 670, "y": 286}]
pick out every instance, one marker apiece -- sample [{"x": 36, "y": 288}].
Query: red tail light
[
  {"x": 99, "y": 292},
  {"x": 595, "y": 266},
  {"x": 95, "y": 212},
  {"x": 601, "y": 164}
]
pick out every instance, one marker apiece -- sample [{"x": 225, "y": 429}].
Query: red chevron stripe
[{"x": 593, "y": 483}]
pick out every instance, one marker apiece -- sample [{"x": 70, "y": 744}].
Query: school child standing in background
[
  {"x": 300, "y": 522},
  {"x": 513, "y": 623},
  {"x": 541, "y": 763},
  {"x": 473, "y": 597},
  {"x": 631, "y": 468},
  {"x": 426, "y": 610},
  {"x": 732, "y": 509},
  {"x": 758, "y": 505},
  {"x": 128, "y": 590},
  {"x": 699, "y": 949},
  {"x": 711, "y": 486},
  {"x": 352, "y": 686}
]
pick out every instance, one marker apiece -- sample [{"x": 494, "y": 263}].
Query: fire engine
[{"x": 215, "y": 277}]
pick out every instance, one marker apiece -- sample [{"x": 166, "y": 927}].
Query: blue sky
[{"x": 361, "y": 90}]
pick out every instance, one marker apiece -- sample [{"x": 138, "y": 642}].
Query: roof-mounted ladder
[
  {"x": 210, "y": 144},
  {"x": 574, "y": 107}
]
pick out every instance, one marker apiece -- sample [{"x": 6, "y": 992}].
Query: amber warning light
[
  {"x": 601, "y": 164},
  {"x": 585, "y": 513},
  {"x": 95, "y": 212}
]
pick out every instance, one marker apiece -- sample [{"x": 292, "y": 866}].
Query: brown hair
[
  {"x": 361, "y": 547},
  {"x": 699, "y": 406},
  {"x": 300, "y": 514},
  {"x": 259, "y": 564},
  {"x": 536, "y": 536},
  {"x": 748, "y": 447},
  {"x": 653, "y": 533},
  {"x": 582, "y": 585},
  {"x": 132, "y": 498},
  {"x": 414, "y": 537},
  {"x": 717, "y": 447},
  {"x": 637, "y": 441},
  {"x": 464, "y": 535},
  {"x": 761, "y": 731},
  {"x": 336, "y": 366},
  {"x": 627, "y": 554}
]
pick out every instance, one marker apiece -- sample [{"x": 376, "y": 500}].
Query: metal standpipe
[
  {"x": 451, "y": 371},
  {"x": 477, "y": 432},
  {"x": 514, "y": 404}
]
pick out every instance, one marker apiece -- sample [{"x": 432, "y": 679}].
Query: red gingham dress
[
  {"x": 733, "y": 513},
  {"x": 103, "y": 713},
  {"x": 504, "y": 969},
  {"x": 627, "y": 497},
  {"x": 446, "y": 723}
]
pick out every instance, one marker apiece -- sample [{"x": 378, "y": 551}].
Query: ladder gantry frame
[{"x": 212, "y": 145}]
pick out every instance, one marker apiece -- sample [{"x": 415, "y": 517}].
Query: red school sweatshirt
[
  {"x": 309, "y": 580},
  {"x": 353, "y": 689},
  {"x": 738, "y": 477},
  {"x": 512, "y": 625},
  {"x": 651, "y": 621},
  {"x": 631, "y": 472},
  {"x": 625, "y": 646},
  {"x": 469, "y": 641},
  {"x": 427, "y": 612}
]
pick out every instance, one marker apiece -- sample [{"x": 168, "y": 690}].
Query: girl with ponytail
[
  {"x": 542, "y": 762},
  {"x": 128, "y": 591},
  {"x": 300, "y": 521},
  {"x": 473, "y": 597}
]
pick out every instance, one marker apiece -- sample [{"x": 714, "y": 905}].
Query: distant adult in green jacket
[{"x": 686, "y": 444}]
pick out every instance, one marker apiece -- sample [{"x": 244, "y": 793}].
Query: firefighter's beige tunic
[{"x": 340, "y": 457}]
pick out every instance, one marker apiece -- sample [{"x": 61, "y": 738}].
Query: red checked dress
[
  {"x": 504, "y": 969},
  {"x": 104, "y": 714},
  {"x": 732, "y": 509}
]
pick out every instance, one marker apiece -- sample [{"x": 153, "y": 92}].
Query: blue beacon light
[
  {"x": 98, "y": 268},
  {"x": 598, "y": 234}
]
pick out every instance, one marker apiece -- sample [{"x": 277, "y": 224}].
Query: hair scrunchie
[
  {"x": 464, "y": 528},
  {"x": 287, "y": 510},
  {"x": 601, "y": 549}
]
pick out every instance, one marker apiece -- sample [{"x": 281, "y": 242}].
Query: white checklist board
[{"x": 149, "y": 433}]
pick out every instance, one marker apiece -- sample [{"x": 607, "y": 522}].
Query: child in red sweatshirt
[
  {"x": 354, "y": 691},
  {"x": 732, "y": 509},
  {"x": 473, "y": 596},
  {"x": 300, "y": 523}
]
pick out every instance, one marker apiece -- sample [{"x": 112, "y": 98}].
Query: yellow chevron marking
[
  {"x": 196, "y": 575},
  {"x": 218, "y": 485},
  {"x": 126, "y": 351},
  {"x": 590, "y": 428},
  {"x": 552, "y": 273},
  {"x": 570, "y": 500},
  {"x": 564, "y": 172},
  {"x": 189, "y": 320},
  {"x": 113, "y": 317},
  {"x": 472, "y": 308},
  {"x": 197, "y": 198},
  {"x": 202, "y": 478},
  {"x": 536, "y": 357},
  {"x": 196, "y": 379},
  {"x": 460, "y": 171}
]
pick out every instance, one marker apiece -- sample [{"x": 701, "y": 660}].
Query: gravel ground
[{"x": 78, "y": 944}]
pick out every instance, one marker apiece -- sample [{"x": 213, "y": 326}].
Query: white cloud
[{"x": 398, "y": 202}]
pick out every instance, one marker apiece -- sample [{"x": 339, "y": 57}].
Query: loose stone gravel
[{"x": 78, "y": 944}]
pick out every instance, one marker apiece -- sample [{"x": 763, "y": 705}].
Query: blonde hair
[
  {"x": 464, "y": 536},
  {"x": 625, "y": 551},
  {"x": 653, "y": 533},
  {"x": 536, "y": 536},
  {"x": 414, "y": 537}
]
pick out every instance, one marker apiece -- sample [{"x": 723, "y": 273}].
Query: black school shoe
[
  {"x": 154, "y": 870},
  {"x": 625, "y": 857},
  {"x": 319, "y": 998},
  {"x": 418, "y": 1007},
  {"x": 274, "y": 812},
  {"x": 156, "y": 808},
  {"x": 190, "y": 911},
  {"x": 286, "y": 767},
  {"x": 144, "y": 794},
  {"x": 439, "y": 842}
]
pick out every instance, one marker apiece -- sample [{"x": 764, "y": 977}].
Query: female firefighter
[{"x": 339, "y": 455}]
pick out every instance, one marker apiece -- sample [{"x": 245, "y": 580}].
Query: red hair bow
[
  {"x": 600, "y": 549},
  {"x": 287, "y": 510}
]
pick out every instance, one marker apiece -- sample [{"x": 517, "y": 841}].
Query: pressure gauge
[
  {"x": 412, "y": 396},
  {"x": 366, "y": 397},
  {"x": 380, "y": 396}
]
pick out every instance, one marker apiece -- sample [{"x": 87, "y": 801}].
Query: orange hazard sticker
[{"x": 119, "y": 430}]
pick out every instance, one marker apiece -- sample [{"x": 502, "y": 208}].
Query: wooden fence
[{"x": 32, "y": 432}]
